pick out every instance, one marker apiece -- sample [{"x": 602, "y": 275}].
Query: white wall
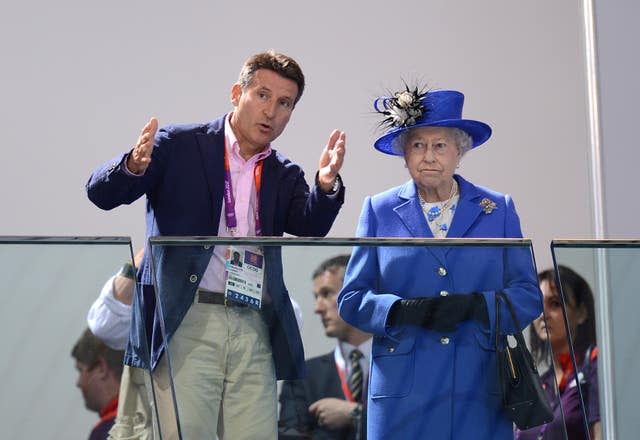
[
  {"x": 81, "y": 78},
  {"x": 618, "y": 63}
]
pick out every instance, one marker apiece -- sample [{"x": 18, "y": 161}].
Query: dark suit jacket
[
  {"x": 322, "y": 381},
  {"x": 184, "y": 189}
]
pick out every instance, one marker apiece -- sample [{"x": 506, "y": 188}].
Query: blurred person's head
[
  {"x": 99, "y": 370},
  {"x": 580, "y": 315},
  {"x": 327, "y": 283}
]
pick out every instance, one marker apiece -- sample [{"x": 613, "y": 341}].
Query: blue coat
[
  {"x": 427, "y": 384},
  {"x": 184, "y": 190}
]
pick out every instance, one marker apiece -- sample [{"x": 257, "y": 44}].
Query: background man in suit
[
  {"x": 222, "y": 179},
  {"x": 328, "y": 403}
]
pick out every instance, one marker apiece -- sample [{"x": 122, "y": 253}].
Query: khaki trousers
[
  {"x": 223, "y": 374},
  {"x": 135, "y": 420}
]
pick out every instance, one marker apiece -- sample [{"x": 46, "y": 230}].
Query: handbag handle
[
  {"x": 517, "y": 334},
  {"x": 500, "y": 295}
]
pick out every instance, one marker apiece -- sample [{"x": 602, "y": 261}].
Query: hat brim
[{"x": 479, "y": 132}]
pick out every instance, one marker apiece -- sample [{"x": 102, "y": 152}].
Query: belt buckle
[{"x": 226, "y": 301}]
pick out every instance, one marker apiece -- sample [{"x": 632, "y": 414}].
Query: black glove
[
  {"x": 414, "y": 311},
  {"x": 448, "y": 311},
  {"x": 442, "y": 313}
]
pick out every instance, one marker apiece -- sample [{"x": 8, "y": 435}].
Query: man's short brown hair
[
  {"x": 279, "y": 63},
  {"x": 89, "y": 349}
]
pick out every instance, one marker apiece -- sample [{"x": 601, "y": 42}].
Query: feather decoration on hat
[{"x": 403, "y": 109}]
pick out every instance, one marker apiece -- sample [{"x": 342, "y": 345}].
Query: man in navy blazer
[{"x": 195, "y": 178}]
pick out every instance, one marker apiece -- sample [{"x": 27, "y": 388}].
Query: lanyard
[
  {"x": 337, "y": 355},
  {"x": 229, "y": 200}
]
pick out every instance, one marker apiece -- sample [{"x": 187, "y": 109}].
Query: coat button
[
  {"x": 193, "y": 278},
  {"x": 206, "y": 246},
  {"x": 444, "y": 340},
  {"x": 442, "y": 271},
  {"x": 444, "y": 293},
  {"x": 391, "y": 349}
]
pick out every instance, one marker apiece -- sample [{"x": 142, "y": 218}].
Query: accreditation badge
[{"x": 245, "y": 276}]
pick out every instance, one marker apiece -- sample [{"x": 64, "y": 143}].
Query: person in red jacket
[{"x": 99, "y": 372}]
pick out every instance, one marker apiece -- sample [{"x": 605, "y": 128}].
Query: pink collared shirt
[{"x": 244, "y": 192}]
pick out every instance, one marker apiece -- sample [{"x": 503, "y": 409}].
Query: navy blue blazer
[{"x": 184, "y": 189}]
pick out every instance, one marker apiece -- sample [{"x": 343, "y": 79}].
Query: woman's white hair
[{"x": 462, "y": 139}]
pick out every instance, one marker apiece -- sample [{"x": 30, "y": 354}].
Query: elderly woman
[
  {"x": 431, "y": 309},
  {"x": 550, "y": 331}
]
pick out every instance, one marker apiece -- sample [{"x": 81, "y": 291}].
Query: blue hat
[{"x": 437, "y": 108}]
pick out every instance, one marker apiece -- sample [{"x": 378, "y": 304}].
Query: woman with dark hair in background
[{"x": 552, "y": 332}]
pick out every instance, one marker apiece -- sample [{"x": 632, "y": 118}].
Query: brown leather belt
[{"x": 209, "y": 297}]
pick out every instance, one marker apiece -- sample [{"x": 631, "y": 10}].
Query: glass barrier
[
  {"x": 48, "y": 286},
  {"x": 607, "y": 356},
  {"x": 440, "y": 376}
]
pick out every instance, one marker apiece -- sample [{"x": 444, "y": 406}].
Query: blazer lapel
[
  {"x": 410, "y": 212},
  {"x": 211, "y": 145},
  {"x": 268, "y": 196},
  {"x": 331, "y": 371}
]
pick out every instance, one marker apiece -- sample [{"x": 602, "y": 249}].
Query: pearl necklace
[{"x": 435, "y": 212}]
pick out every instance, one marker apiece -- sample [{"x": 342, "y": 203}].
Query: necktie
[{"x": 355, "y": 378}]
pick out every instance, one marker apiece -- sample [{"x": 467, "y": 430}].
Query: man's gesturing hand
[
  {"x": 140, "y": 157},
  {"x": 331, "y": 159}
]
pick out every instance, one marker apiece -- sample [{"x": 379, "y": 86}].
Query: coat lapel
[
  {"x": 468, "y": 209},
  {"x": 410, "y": 212}
]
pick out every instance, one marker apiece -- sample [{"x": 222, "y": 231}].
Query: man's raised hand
[{"x": 140, "y": 158}]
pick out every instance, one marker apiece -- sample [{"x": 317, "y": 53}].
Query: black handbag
[{"x": 521, "y": 387}]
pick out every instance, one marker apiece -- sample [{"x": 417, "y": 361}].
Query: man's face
[
  {"x": 326, "y": 288},
  {"x": 87, "y": 382},
  {"x": 262, "y": 110}
]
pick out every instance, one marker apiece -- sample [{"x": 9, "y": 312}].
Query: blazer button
[
  {"x": 442, "y": 271},
  {"x": 391, "y": 349},
  {"x": 444, "y": 293},
  {"x": 444, "y": 340},
  {"x": 193, "y": 278},
  {"x": 206, "y": 246}
]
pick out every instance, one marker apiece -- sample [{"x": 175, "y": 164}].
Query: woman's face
[
  {"x": 557, "y": 335},
  {"x": 432, "y": 155}
]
